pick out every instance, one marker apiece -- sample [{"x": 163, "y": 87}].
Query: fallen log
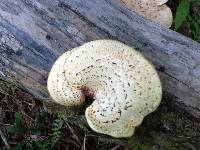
[{"x": 34, "y": 33}]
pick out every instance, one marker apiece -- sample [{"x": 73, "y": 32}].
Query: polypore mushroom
[
  {"x": 155, "y": 10},
  {"x": 124, "y": 85}
]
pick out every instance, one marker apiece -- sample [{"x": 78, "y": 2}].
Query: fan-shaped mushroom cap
[
  {"x": 155, "y": 10},
  {"x": 124, "y": 85}
]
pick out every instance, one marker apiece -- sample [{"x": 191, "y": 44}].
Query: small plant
[
  {"x": 24, "y": 134},
  {"x": 42, "y": 145},
  {"x": 195, "y": 26},
  {"x": 17, "y": 128},
  {"x": 184, "y": 13},
  {"x": 57, "y": 125}
]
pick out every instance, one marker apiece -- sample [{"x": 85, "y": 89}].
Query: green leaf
[
  {"x": 18, "y": 125},
  {"x": 195, "y": 26},
  {"x": 182, "y": 13},
  {"x": 46, "y": 143},
  {"x": 57, "y": 126},
  {"x": 17, "y": 147},
  {"x": 12, "y": 130},
  {"x": 42, "y": 145},
  {"x": 35, "y": 130},
  {"x": 18, "y": 120}
]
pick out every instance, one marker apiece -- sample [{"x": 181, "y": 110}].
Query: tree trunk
[{"x": 33, "y": 33}]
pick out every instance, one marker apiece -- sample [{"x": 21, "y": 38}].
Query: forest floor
[{"x": 26, "y": 123}]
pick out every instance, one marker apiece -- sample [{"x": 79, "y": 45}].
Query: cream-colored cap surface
[
  {"x": 124, "y": 85},
  {"x": 155, "y": 10}
]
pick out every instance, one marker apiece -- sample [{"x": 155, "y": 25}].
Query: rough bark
[{"x": 33, "y": 33}]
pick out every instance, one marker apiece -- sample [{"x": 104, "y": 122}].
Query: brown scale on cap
[
  {"x": 124, "y": 85},
  {"x": 155, "y": 10},
  {"x": 87, "y": 91}
]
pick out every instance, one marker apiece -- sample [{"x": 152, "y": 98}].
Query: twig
[
  {"x": 4, "y": 139},
  {"x": 116, "y": 147},
  {"x": 27, "y": 116},
  {"x": 84, "y": 141},
  {"x": 4, "y": 124},
  {"x": 70, "y": 141},
  {"x": 187, "y": 137},
  {"x": 72, "y": 131}
]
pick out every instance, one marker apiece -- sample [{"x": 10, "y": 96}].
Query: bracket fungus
[
  {"x": 124, "y": 85},
  {"x": 155, "y": 10}
]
